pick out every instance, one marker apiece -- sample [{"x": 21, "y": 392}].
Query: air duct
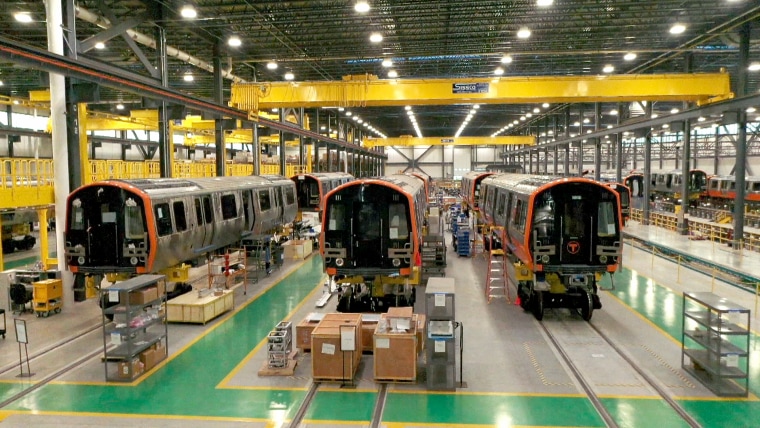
[{"x": 146, "y": 40}]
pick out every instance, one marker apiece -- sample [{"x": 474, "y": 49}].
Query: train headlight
[
  {"x": 603, "y": 259},
  {"x": 133, "y": 260},
  {"x": 339, "y": 262},
  {"x": 545, "y": 258},
  {"x": 80, "y": 260},
  {"x": 396, "y": 262}
]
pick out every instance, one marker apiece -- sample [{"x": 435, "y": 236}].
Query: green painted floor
[{"x": 187, "y": 384}]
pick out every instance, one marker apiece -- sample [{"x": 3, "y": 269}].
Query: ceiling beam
[
  {"x": 368, "y": 91},
  {"x": 406, "y": 141}
]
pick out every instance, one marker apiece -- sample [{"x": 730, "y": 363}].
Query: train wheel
[
  {"x": 586, "y": 305},
  {"x": 538, "y": 305},
  {"x": 523, "y": 292}
]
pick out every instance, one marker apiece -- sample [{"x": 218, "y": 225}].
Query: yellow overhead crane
[
  {"x": 369, "y": 91},
  {"x": 408, "y": 140}
]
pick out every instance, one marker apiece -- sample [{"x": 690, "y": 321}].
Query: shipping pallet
[
  {"x": 406, "y": 381},
  {"x": 288, "y": 370}
]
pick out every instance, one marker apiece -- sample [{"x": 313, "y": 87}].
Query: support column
[
  {"x": 647, "y": 169},
  {"x": 164, "y": 156},
  {"x": 256, "y": 150},
  {"x": 598, "y": 142},
  {"x": 619, "y": 150},
  {"x": 61, "y": 154},
  {"x": 281, "y": 146},
  {"x": 741, "y": 139},
  {"x": 219, "y": 145}
]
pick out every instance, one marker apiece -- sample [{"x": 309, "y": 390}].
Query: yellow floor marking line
[
  {"x": 493, "y": 394},
  {"x": 167, "y": 360},
  {"x": 135, "y": 416},
  {"x": 244, "y": 361}
]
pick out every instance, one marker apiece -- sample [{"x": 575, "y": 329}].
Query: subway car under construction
[
  {"x": 146, "y": 225},
  {"x": 562, "y": 233},
  {"x": 371, "y": 240}
]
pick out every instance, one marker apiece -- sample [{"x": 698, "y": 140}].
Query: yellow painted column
[
  {"x": 170, "y": 147},
  {"x": 308, "y": 157},
  {"x": 2, "y": 265},
  {"x": 42, "y": 216},
  {"x": 84, "y": 163}
]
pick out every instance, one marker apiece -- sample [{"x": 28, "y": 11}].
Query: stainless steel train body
[
  {"x": 563, "y": 233},
  {"x": 311, "y": 188},
  {"x": 372, "y": 235},
  {"x": 470, "y": 187},
  {"x": 143, "y": 226}
]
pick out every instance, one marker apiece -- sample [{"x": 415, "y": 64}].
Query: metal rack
[
  {"x": 440, "y": 349},
  {"x": 279, "y": 345},
  {"x": 228, "y": 270},
  {"x": 715, "y": 343}
]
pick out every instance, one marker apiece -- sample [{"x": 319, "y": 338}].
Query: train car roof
[
  {"x": 407, "y": 183},
  {"x": 526, "y": 184},
  {"x": 476, "y": 174},
  {"x": 323, "y": 175},
  {"x": 158, "y": 186}
]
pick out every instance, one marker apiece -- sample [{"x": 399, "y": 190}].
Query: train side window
[
  {"x": 606, "y": 220},
  {"x": 516, "y": 213},
  {"x": 399, "y": 229},
  {"x": 180, "y": 222},
  {"x": 264, "y": 200},
  {"x": 290, "y": 197},
  {"x": 198, "y": 212},
  {"x": 208, "y": 212},
  {"x": 229, "y": 207},
  {"x": 732, "y": 185},
  {"x": 278, "y": 197},
  {"x": 314, "y": 193},
  {"x": 755, "y": 187},
  {"x": 523, "y": 215},
  {"x": 501, "y": 206},
  {"x": 133, "y": 222},
  {"x": 714, "y": 184},
  {"x": 77, "y": 217},
  {"x": 163, "y": 219},
  {"x": 337, "y": 217}
]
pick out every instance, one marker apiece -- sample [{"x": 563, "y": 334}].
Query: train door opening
[
  {"x": 248, "y": 211},
  {"x": 367, "y": 234},
  {"x": 103, "y": 237},
  {"x": 577, "y": 223}
]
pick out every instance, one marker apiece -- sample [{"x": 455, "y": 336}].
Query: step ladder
[{"x": 496, "y": 279}]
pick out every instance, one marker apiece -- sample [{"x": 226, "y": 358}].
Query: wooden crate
[
  {"x": 395, "y": 354},
  {"x": 190, "y": 308},
  {"x": 297, "y": 249},
  {"x": 328, "y": 362},
  {"x": 304, "y": 330}
]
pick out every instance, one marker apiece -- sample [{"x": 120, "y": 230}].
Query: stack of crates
[
  {"x": 280, "y": 343},
  {"x": 463, "y": 238}
]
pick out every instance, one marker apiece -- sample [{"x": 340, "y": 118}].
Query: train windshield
[
  {"x": 606, "y": 226},
  {"x": 133, "y": 222},
  {"x": 337, "y": 217},
  {"x": 399, "y": 228}
]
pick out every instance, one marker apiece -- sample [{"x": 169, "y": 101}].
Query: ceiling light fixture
[
  {"x": 674, "y": 110},
  {"x": 23, "y": 17},
  {"x": 361, "y": 6},
  {"x": 392, "y": 74},
  {"x": 523, "y": 33},
  {"x": 188, "y": 12},
  {"x": 100, "y": 45},
  {"x": 271, "y": 65},
  {"x": 755, "y": 66},
  {"x": 630, "y": 56},
  {"x": 545, "y": 105},
  {"x": 751, "y": 110},
  {"x": 188, "y": 77},
  {"x": 609, "y": 68},
  {"x": 544, "y": 3},
  {"x": 375, "y": 37},
  {"x": 120, "y": 106},
  {"x": 387, "y": 63},
  {"x": 499, "y": 71},
  {"x": 677, "y": 28},
  {"x": 506, "y": 59},
  {"x": 289, "y": 76},
  {"x": 234, "y": 41},
  {"x": 1, "y": 83}
]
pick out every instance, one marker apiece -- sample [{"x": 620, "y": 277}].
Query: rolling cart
[{"x": 48, "y": 297}]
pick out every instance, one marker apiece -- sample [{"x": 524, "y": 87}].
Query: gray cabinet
[
  {"x": 440, "y": 349},
  {"x": 715, "y": 343},
  {"x": 134, "y": 326}
]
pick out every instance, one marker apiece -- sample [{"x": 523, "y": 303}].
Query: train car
[
  {"x": 470, "y": 189},
  {"x": 428, "y": 180},
  {"x": 563, "y": 234},
  {"x": 610, "y": 179},
  {"x": 666, "y": 185},
  {"x": 721, "y": 191},
  {"x": 371, "y": 240},
  {"x": 147, "y": 225},
  {"x": 311, "y": 188}
]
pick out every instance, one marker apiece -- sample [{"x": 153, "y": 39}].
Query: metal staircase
[{"x": 496, "y": 279}]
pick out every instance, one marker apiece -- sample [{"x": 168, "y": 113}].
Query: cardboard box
[
  {"x": 137, "y": 369},
  {"x": 297, "y": 249},
  {"x": 151, "y": 356},
  {"x": 143, "y": 296}
]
